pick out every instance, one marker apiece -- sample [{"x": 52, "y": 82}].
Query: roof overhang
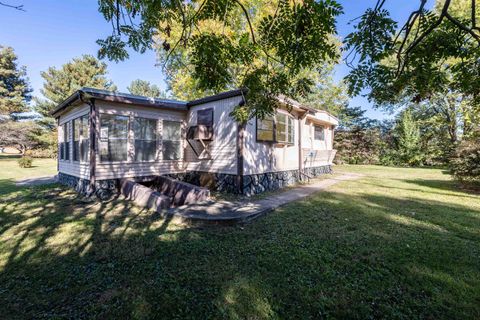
[
  {"x": 85, "y": 94},
  {"x": 220, "y": 96}
]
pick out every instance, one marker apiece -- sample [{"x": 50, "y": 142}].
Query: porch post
[{"x": 92, "y": 120}]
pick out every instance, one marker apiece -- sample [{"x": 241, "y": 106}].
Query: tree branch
[
  {"x": 245, "y": 12},
  {"x": 19, "y": 7},
  {"x": 463, "y": 27}
]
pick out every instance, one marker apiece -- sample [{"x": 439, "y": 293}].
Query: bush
[
  {"x": 25, "y": 162},
  {"x": 465, "y": 164},
  {"x": 43, "y": 153}
]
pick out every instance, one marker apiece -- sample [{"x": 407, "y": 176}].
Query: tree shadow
[{"x": 332, "y": 255}]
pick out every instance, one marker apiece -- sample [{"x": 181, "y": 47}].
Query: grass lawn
[{"x": 397, "y": 243}]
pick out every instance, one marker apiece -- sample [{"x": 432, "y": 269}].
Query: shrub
[
  {"x": 465, "y": 164},
  {"x": 25, "y": 162},
  {"x": 43, "y": 153}
]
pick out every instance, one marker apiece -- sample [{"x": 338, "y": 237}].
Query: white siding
[
  {"x": 223, "y": 148},
  {"x": 267, "y": 157},
  {"x": 73, "y": 168}
]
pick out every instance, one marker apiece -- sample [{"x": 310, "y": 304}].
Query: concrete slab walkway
[
  {"x": 230, "y": 212},
  {"x": 37, "y": 181}
]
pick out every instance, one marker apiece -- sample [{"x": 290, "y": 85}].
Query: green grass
[{"x": 397, "y": 243}]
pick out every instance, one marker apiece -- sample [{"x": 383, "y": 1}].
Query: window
[
  {"x": 113, "y": 137},
  {"x": 61, "y": 144},
  {"x": 145, "y": 135},
  {"x": 290, "y": 130},
  {"x": 172, "y": 140},
  {"x": 266, "y": 129},
  {"x": 66, "y": 142},
  {"x": 319, "y": 133},
  {"x": 205, "y": 117},
  {"x": 280, "y": 128},
  {"x": 80, "y": 138}
]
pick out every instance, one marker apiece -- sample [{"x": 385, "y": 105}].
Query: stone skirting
[
  {"x": 252, "y": 184},
  {"x": 104, "y": 189},
  {"x": 220, "y": 182}
]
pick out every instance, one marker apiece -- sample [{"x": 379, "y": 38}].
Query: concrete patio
[{"x": 231, "y": 212}]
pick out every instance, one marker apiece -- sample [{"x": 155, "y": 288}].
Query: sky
[{"x": 52, "y": 32}]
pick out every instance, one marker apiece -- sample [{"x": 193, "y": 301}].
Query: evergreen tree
[
  {"x": 86, "y": 71},
  {"x": 144, "y": 88},
  {"x": 14, "y": 87}
]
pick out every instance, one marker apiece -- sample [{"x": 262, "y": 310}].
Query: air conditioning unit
[{"x": 200, "y": 132}]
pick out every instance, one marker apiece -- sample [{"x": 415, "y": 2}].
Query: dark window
[
  {"x": 266, "y": 129},
  {"x": 80, "y": 138},
  {"x": 66, "y": 141},
  {"x": 145, "y": 135},
  {"x": 205, "y": 117},
  {"x": 113, "y": 137},
  {"x": 171, "y": 140},
  {"x": 319, "y": 133}
]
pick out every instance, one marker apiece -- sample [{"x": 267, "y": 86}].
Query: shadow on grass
[{"x": 332, "y": 255}]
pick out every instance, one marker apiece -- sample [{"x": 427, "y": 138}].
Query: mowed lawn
[{"x": 397, "y": 243}]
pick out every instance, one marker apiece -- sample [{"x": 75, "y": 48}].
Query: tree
[
  {"x": 279, "y": 41},
  {"x": 86, "y": 71},
  {"x": 21, "y": 135},
  {"x": 14, "y": 87},
  {"x": 144, "y": 88},
  {"x": 434, "y": 51},
  {"x": 408, "y": 139}
]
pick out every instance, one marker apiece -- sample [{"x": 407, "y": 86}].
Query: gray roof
[
  {"x": 105, "y": 95},
  {"x": 85, "y": 93}
]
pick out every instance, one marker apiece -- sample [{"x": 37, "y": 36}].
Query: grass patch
[{"x": 397, "y": 243}]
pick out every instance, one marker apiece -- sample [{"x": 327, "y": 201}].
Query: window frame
[
  {"x": 66, "y": 141},
  {"x": 207, "y": 113},
  {"x": 180, "y": 140},
  {"x": 315, "y": 126},
  {"x": 83, "y": 136},
  {"x": 156, "y": 134},
  {"x": 127, "y": 139},
  {"x": 289, "y": 121}
]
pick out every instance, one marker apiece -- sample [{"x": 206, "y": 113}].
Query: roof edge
[{"x": 219, "y": 96}]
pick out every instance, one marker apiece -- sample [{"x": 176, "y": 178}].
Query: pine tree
[
  {"x": 14, "y": 87},
  {"x": 144, "y": 88},
  {"x": 86, "y": 71}
]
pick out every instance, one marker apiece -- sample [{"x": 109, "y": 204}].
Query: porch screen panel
[
  {"x": 80, "y": 138},
  {"x": 66, "y": 141},
  {"x": 172, "y": 140},
  {"x": 61, "y": 144},
  {"x": 113, "y": 137},
  {"x": 145, "y": 135}
]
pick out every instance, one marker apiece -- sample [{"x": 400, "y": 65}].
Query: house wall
[
  {"x": 70, "y": 167},
  {"x": 131, "y": 168},
  {"x": 223, "y": 148},
  {"x": 263, "y": 157}
]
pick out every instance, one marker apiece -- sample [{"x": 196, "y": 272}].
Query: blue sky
[{"x": 52, "y": 32}]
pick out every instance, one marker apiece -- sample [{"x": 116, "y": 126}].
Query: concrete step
[{"x": 144, "y": 196}]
